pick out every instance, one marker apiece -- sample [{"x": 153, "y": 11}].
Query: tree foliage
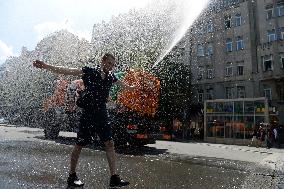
[
  {"x": 176, "y": 92},
  {"x": 138, "y": 37},
  {"x": 23, "y": 88}
]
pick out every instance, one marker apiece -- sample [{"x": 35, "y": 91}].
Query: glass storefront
[{"x": 234, "y": 118}]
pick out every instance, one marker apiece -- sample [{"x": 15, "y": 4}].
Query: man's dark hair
[{"x": 108, "y": 55}]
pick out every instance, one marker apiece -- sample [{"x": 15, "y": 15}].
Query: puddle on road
[{"x": 41, "y": 165}]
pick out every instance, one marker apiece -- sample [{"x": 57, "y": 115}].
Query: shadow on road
[{"x": 98, "y": 145}]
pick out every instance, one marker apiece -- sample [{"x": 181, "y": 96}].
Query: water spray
[{"x": 188, "y": 11}]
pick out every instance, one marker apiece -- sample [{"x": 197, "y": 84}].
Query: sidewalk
[{"x": 273, "y": 158}]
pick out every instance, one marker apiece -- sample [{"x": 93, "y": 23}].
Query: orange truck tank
[
  {"x": 144, "y": 99},
  {"x": 58, "y": 97}
]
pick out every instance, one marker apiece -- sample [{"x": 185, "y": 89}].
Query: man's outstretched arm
[{"x": 57, "y": 69}]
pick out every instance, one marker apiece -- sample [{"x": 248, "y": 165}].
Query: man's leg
[
  {"x": 73, "y": 180},
  {"x": 115, "y": 180},
  {"x": 74, "y": 158},
  {"x": 83, "y": 138},
  {"x": 110, "y": 153}
]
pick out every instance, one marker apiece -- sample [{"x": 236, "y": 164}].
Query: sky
[{"x": 26, "y": 22}]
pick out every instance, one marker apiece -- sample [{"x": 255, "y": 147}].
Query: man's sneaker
[
  {"x": 115, "y": 181},
  {"x": 74, "y": 181}
]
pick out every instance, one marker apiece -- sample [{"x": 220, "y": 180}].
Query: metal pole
[{"x": 205, "y": 123}]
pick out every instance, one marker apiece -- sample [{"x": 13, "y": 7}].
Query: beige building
[{"x": 236, "y": 50}]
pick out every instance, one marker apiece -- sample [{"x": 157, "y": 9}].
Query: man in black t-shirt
[{"x": 94, "y": 119}]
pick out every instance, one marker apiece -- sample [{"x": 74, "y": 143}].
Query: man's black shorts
[{"x": 92, "y": 123}]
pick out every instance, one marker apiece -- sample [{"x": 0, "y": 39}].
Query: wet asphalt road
[{"x": 37, "y": 163}]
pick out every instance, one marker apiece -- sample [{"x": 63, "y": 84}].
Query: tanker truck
[
  {"x": 132, "y": 113},
  {"x": 134, "y": 121}
]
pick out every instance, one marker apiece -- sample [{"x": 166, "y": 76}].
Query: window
[
  {"x": 280, "y": 91},
  {"x": 241, "y": 92},
  {"x": 229, "y": 92},
  {"x": 282, "y": 33},
  {"x": 209, "y": 73},
  {"x": 268, "y": 93},
  {"x": 228, "y": 22},
  {"x": 229, "y": 45},
  {"x": 200, "y": 50},
  {"x": 209, "y": 93},
  {"x": 227, "y": 3},
  {"x": 267, "y": 63},
  {"x": 269, "y": 13},
  {"x": 200, "y": 73},
  {"x": 240, "y": 70},
  {"x": 271, "y": 35},
  {"x": 238, "y": 20},
  {"x": 280, "y": 11},
  {"x": 282, "y": 60},
  {"x": 230, "y": 2},
  {"x": 210, "y": 49},
  {"x": 210, "y": 27},
  {"x": 229, "y": 70},
  {"x": 200, "y": 96},
  {"x": 240, "y": 43},
  {"x": 200, "y": 29}
]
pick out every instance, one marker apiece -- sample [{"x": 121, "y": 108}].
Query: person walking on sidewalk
[
  {"x": 94, "y": 118},
  {"x": 276, "y": 137}
]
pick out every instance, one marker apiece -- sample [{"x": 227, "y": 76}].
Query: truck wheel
[
  {"x": 51, "y": 132},
  {"x": 135, "y": 143},
  {"x": 120, "y": 140},
  {"x": 120, "y": 137},
  {"x": 120, "y": 143}
]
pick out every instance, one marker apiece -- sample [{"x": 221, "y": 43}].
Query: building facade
[{"x": 236, "y": 50}]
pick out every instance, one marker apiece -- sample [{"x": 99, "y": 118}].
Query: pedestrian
[
  {"x": 276, "y": 137},
  {"x": 260, "y": 136},
  {"x": 269, "y": 137},
  {"x": 254, "y": 141},
  {"x": 192, "y": 130},
  {"x": 94, "y": 119}
]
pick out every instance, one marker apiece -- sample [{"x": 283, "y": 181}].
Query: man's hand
[{"x": 39, "y": 64}]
